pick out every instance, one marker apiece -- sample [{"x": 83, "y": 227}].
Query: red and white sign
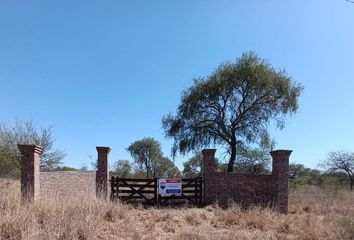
[{"x": 170, "y": 186}]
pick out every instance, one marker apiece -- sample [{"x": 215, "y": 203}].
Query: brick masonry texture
[
  {"x": 247, "y": 189},
  {"x": 30, "y": 171},
  {"x": 63, "y": 184},
  {"x": 102, "y": 176},
  {"x": 219, "y": 187},
  {"x": 68, "y": 184}
]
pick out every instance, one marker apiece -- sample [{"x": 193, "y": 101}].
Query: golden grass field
[{"x": 314, "y": 213}]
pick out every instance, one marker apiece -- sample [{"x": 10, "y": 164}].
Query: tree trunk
[
  {"x": 147, "y": 169},
  {"x": 230, "y": 166}
]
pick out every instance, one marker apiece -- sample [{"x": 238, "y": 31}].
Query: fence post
[
  {"x": 208, "y": 174},
  {"x": 196, "y": 191},
  {"x": 30, "y": 172},
  {"x": 156, "y": 192},
  {"x": 102, "y": 173},
  {"x": 113, "y": 183},
  {"x": 280, "y": 173},
  {"x": 118, "y": 185},
  {"x": 200, "y": 182}
]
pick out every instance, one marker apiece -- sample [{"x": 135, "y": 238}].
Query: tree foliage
[
  {"x": 64, "y": 169},
  {"x": 192, "y": 167},
  {"x": 145, "y": 152},
  {"x": 232, "y": 107},
  {"x": 341, "y": 162},
  {"x": 164, "y": 167},
  {"x": 300, "y": 175},
  {"x": 148, "y": 155},
  {"x": 251, "y": 160},
  {"x": 26, "y": 133},
  {"x": 254, "y": 160},
  {"x": 123, "y": 168}
]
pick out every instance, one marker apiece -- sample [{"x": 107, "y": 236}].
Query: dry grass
[{"x": 313, "y": 214}]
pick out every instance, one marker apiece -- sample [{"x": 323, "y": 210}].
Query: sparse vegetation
[
  {"x": 314, "y": 213},
  {"x": 25, "y": 132},
  {"x": 341, "y": 162}
]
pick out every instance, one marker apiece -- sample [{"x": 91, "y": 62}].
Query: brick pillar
[
  {"x": 102, "y": 173},
  {"x": 30, "y": 172},
  {"x": 280, "y": 175},
  {"x": 208, "y": 174}
]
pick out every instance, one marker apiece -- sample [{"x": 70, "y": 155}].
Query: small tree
[
  {"x": 300, "y": 175},
  {"x": 192, "y": 167},
  {"x": 255, "y": 161},
  {"x": 341, "y": 162},
  {"x": 145, "y": 152},
  {"x": 148, "y": 155},
  {"x": 139, "y": 170},
  {"x": 296, "y": 170},
  {"x": 164, "y": 167},
  {"x": 9, "y": 162},
  {"x": 64, "y": 169},
  {"x": 26, "y": 133},
  {"x": 123, "y": 168},
  {"x": 232, "y": 107}
]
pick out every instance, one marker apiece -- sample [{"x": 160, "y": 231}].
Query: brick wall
[
  {"x": 243, "y": 188},
  {"x": 218, "y": 186},
  {"x": 247, "y": 188},
  {"x": 68, "y": 184},
  {"x": 35, "y": 184}
]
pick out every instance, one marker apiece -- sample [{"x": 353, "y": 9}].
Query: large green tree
[
  {"x": 25, "y": 132},
  {"x": 232, "y": 107}
]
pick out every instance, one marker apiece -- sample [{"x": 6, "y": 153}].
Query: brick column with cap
[
  {"x": 208, "y": 174},
  {"x": 102, "y": 173},
  {"x": 30, "y": 172},
  {"x": 280, "y": 175}
]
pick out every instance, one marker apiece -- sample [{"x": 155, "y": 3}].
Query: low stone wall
[{"x": 67, "y": 184}]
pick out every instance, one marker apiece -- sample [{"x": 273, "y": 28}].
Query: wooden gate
[
  {"x": 145, "y": 191},
  {"x": 134, "y": 190}
]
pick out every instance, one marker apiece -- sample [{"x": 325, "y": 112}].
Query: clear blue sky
[{"x": 105, "y": 72}]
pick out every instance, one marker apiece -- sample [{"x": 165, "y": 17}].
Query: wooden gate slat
[
  {"x": 141, "y": 191},
  {"x": 124, "y": 184}
]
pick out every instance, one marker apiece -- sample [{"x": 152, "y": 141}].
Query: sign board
[{"x": 170, "y": 186}]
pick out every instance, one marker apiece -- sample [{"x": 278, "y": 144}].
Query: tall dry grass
[{"x": 314, "y": 214}]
